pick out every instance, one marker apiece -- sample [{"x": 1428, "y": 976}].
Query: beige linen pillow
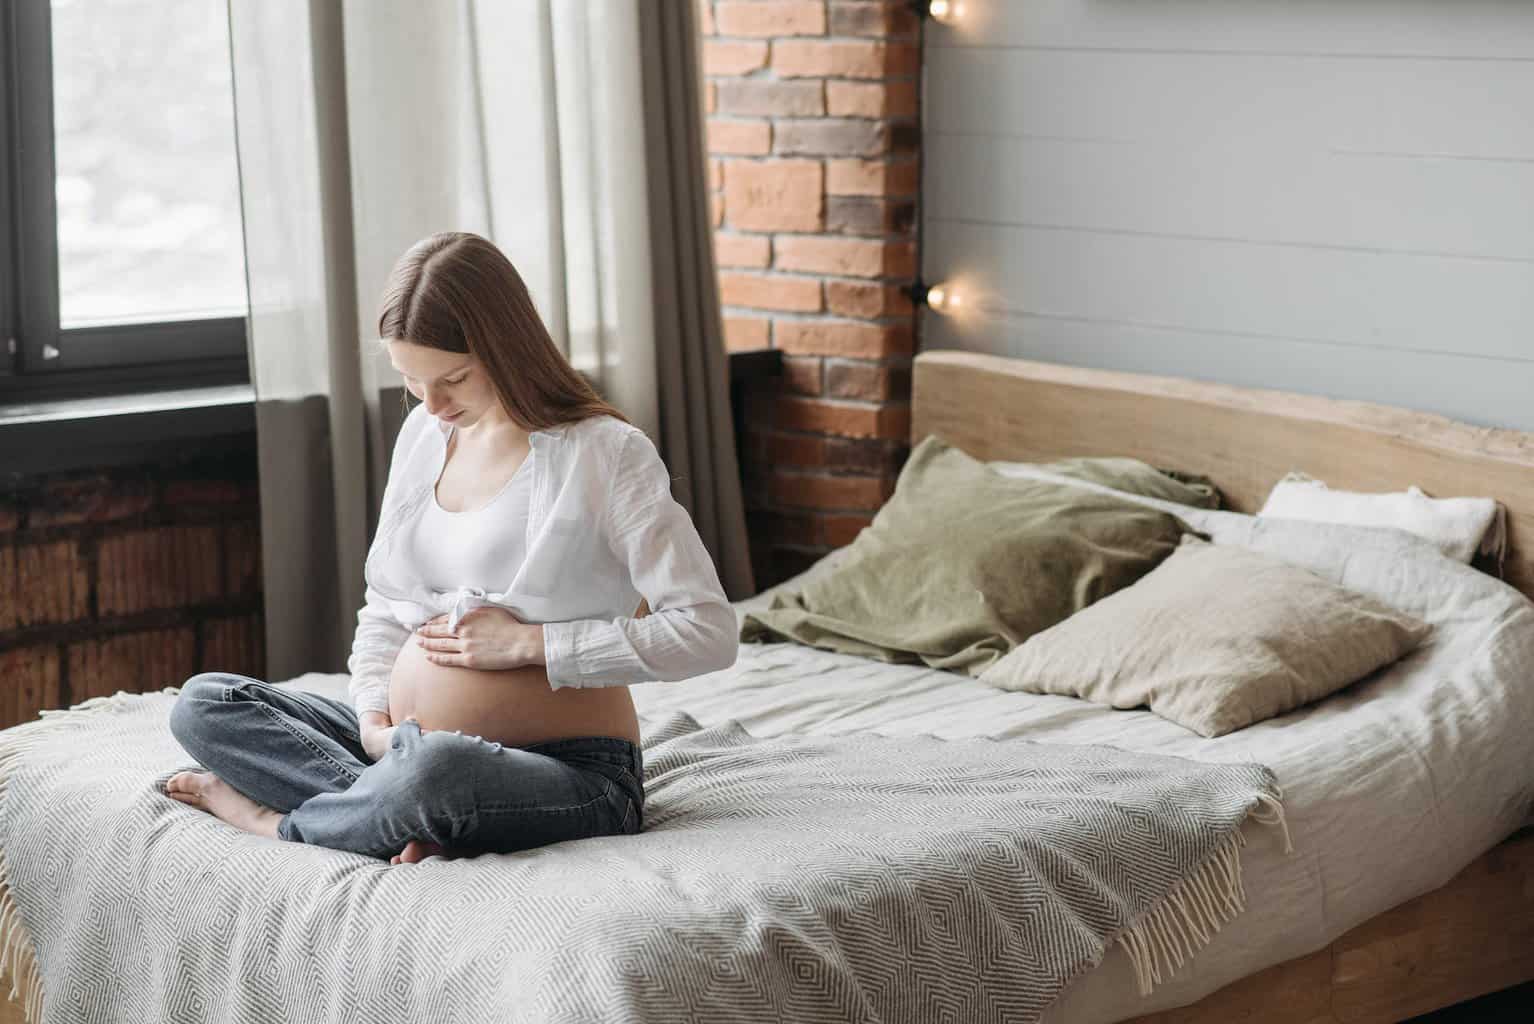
[{"x": 1214, "y": 638}]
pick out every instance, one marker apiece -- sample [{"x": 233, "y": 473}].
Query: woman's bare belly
[{"x": 515, "y": 706}]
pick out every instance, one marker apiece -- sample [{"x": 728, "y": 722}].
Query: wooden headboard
[{"x": 1244, "y": 439}]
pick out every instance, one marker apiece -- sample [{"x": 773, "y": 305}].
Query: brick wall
[
  {"x": 129, "y": 579},
  {"x": 812, "y": 135}
]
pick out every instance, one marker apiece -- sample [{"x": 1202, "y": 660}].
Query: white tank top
[{"x": 481, "y": 547}]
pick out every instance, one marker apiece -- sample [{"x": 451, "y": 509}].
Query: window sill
[
  {"x": 61, "y": 435},
  {"x": 65, "y": 435}
]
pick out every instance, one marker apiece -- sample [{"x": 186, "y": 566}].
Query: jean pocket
[
  {"x": 622, "y": 813},
  {"x": 631, "y": 808}
]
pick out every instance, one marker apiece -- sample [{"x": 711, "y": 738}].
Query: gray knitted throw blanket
[{"x": 851, "y": 878}]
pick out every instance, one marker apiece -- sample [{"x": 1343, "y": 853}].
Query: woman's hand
[
  {"x": 488, "y": 637},
  {"x": 377, "y": 735},
  {"x": 376, "y": 740}
]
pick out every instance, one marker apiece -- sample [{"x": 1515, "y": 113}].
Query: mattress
[{"x": 1391, "y": 787}]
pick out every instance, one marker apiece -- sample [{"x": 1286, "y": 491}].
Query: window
[{"x": 123, "y": 257}]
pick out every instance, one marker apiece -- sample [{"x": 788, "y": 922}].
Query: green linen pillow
[
  {"x": 1131, "y": 475},
  {"x": 962, "y": 564},
  {"x": 1215, "y": 638}
]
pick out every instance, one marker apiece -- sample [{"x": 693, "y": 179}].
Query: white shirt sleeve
[
  {"x": 691, "y": 628},
  {"x": 379, "y": 634},
  {"x": 375, "y": 645}
]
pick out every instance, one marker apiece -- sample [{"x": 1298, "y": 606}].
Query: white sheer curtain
[
  {"x": 521, "y": 120},
  {"x": 364, "y": 125}
]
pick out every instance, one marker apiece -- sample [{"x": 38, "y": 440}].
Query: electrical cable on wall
[{"x": 943, "y": 297}]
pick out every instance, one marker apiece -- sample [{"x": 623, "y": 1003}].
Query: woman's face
[{"x": 453, "y": 385}]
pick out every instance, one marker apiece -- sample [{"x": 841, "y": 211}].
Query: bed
[
  {"x": 1439, "y": 906},
  {"x": 1473, "y": 935}
]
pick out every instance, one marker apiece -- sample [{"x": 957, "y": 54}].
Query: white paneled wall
[{"x": 1331, "y": 196}]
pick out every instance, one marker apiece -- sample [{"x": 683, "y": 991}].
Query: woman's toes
[
  {"x": 417, "y": 850},
  {"x": 186, "y": 786}
]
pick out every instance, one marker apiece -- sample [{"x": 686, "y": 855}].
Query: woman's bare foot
[
  {"x": 419, "y": 849},
  {"x": 212, "y": 794}
]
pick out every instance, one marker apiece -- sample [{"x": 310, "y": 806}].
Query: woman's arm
[
  {"x": 691, "y": 628},
  {"x": 375, "y": 645},
  {"x": 379, "y": 636}
]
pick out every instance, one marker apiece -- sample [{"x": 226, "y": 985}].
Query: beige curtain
[
  {"x": 691, "y": 385},
  {"x": 570, "y": 134},
  {"x": 306, "y": 367}
]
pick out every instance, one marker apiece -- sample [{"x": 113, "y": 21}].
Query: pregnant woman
[{"x": 529, "y": 564}]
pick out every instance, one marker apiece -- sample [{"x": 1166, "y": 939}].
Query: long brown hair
[{"x": 457, "y": 292}]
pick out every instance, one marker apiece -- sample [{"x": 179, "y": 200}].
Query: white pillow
[{"x": 1459, "y": 527}]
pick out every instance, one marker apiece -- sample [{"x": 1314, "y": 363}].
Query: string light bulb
[
  {"x": 945, "y": 11},
  {"x": 943, "y": 298},
  {"x": 940, "y": 298}
]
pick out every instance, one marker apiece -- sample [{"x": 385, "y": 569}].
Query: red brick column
[{"x": 812, "y": 134}]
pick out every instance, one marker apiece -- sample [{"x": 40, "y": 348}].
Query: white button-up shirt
[{"x": 603, "y": 531}]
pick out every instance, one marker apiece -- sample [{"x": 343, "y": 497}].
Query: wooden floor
[{"x": 1514, "y": 1004}]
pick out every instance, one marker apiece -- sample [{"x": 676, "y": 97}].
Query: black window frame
[{"x": 39, "y": 360}]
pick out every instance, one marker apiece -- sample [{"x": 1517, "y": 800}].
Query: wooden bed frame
[{"x": 1476, "y": 934}]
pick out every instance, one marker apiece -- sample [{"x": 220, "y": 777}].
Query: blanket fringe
[
  {"x": 1269, "y": 811},
  {"x": 18, "y": 956},
  {"x": 1187, "y": 918}
]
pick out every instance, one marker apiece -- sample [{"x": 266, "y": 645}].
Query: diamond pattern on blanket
[{"x": 836, "y": 879}]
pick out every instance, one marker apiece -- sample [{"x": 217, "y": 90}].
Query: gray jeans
[{"x": 301, "y": 753}]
